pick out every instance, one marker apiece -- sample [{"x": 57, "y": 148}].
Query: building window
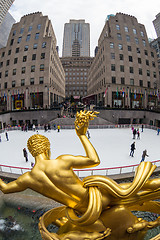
[
  {"x": 15, "y": 60},
  {"x": 138, "y": 50},
  {"x": 117, "y": 27},
  {"x": 136, "y": 41},
  {"x": 126, "y": 29},
  {"x": 13, "y": 83},
  {"x": 130, "y": 58},
  {"x": 33, "y": 56},
  {"x": 142, "y": 33},
  {"x": 111, "y": 45},
  {"x": 148, "y": 73},
  {"x": 147, "y": 62},
  {"x": 0, "y": 74},
  {"x": 139, "y": 60},
  {"x": 43, "y": 44},
  {"x": 9, "y": 52},
  {"x": 120, "y": 46},
  {"x": 11, "y": 42},
  {"x": 17, "y": 50},
  {"x": 134, "y": 31},
  {"x": 113, "y": 79},
  {"x": 37, "y": 36},
  {"x": 131, "y": 70},
  {"x": 122, "y": 68},
  {"x": 112, "y": 55},
  {"x": 22, "y": 30},
  {"x": 22, "y": 82},
  {"x": 120, "y": 56},
  {"x": 14, "y": 72},
  {"x": 129, "y": 48},
  {"x": 144, "y": 43},
  {"x": 30, "y": 29},
  {"x": 132, "y": 81},
  {"x": 1, "y": 64},
  {"x": 128, "y": 38},
  {"x": 6, "y": 73},
  {"x": 152, "y": 54},
  {"x": 119, "y": 37},
  {"x": 24, "y": 58},
  {"x": 41, "y": 80},
  {"x": 23, "y": 70},
  {"x": 35, "y": 46},
  {"x": 31, "y": 81},
  {"x": 154, "y": 74},
  {"x": 153, "y": 64},
  {"x": 19, "y": 39},
  {"x": 39, "y": 26},
  {"x": 3, "y": 53},
  {"x": 42, "y": 55},
  {"x": 140, "y": 71},
  {"x": 122, "y": 80},
  {"x": 42, "y": 67},
  {"x": 113, "y": 67},
  {"x": 33, "y": 68},
  {"x": 14, "y": 33},
  {"x": 26, "y": 48},
  {"x": 5, "y": 85},
  {"x": 7, "y": 62},
  {"x": 141, "y": 83},
  {"x": 148, "y": 84},
  {"x": 28, "y": 37},
  {"x": 146, "y": 52}
]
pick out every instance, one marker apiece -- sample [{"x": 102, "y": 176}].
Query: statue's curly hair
[{"x": 38, "y": 144}]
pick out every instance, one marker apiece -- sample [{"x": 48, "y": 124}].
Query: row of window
[
  {"x": 24, "y": 59},
  {"x": 128, "y": 39},
  {"x": 130, "y": 58},
  {"x": 29, "y": 29},
  {"x": 131, "y": 70},
  {"x": 126, "y": 29},
  {"x": 23, "y": 70},
  {"x": 28, "y": 37},
  {"x": 26, "y": 48},
  {"x": 120, "y": 46},
  {"x": 32, "y": 81},
  {"x": 131, "y": 81},
  {"x": 76, "y": 74},
  {"x": 77, "y": 88},
  {"x": 76, "y": 78}
]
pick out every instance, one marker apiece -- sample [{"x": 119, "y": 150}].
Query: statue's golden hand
[{"x": 82, "y": 121}]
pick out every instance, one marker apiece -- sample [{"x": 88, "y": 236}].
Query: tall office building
[
  {"x": 156, "y": 24},
  {"x": 76, "y": 39},
  {"x": 4, "y": 7},
  {"x": 5, "y": 29},
  {"x": 124, "y": 72},
  {"x": 31, "y": 73}
]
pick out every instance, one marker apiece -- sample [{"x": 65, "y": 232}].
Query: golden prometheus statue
[{"x": 95, "y": 208}]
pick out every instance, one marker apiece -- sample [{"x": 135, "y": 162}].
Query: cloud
[{"x": 93, "y": 11}]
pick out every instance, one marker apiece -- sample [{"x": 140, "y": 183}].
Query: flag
[
  {"x": 105, "y": 92},
  {"x": 117, "y": 92},
  {"x": 18, "y": 95},
  {"x": 135, "y": 94},
  {"x": 123, "y": 93}
]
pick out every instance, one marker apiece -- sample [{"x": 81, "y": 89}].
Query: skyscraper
[
  {"x": 76, "y": 39},
  {"x": 156, "y": 24},
  {"x": 4, "y": 7}
]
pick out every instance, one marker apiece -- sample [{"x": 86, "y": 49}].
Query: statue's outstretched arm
[
  {"x": 15, "y": 186},
  {"x": 81, "y": 125}
]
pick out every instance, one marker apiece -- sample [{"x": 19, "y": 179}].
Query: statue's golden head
[{"x": 38, "y": 144}]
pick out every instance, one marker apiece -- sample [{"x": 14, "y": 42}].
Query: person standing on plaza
[
  {"x": 144, "y": 154},
  {"x": 7, "y": 136},
  {"x": 134, "y": 133},
  {"x": 132, "y": 149},
  {"x": 58, "y": 128},
  {"x": 25, "y": 154}
]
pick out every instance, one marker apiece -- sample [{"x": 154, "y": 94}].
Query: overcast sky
[{"x": 93, "y": 11}]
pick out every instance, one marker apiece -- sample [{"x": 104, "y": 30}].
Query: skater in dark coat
[
  {"x": 134, "y": 133},
  {"x": 132, "y": 149},
  {"x": 144, "y": 154},
  {"x": 25, "y": 154},
  {"x": 7, "y": 136}
]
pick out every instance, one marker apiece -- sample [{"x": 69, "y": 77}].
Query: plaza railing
[{"x": 82, "y": 172}]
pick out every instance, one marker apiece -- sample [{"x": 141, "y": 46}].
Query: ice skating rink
[{"x": 112, "y": 146}]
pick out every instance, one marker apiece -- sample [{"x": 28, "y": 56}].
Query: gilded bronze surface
[{"x": 95, "y": 208}]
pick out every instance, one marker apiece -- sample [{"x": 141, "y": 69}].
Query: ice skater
[
  {"x": 7, "y": 136},
  {"x": 132, "y": 149},
  {"x": 25, "y": 154},
  {"x": 144, "y": 154},
  {"x": 58, "y": 128},
  {"x": 138, "y": 134},
  {"x": 158, "y": 130},
  {"x": 134, "y": 133},
  {"x": 88, "y": 134}
]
